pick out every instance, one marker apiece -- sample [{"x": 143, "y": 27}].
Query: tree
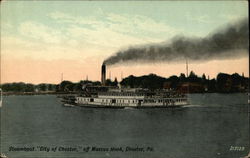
[
  {"x": 29, "y": 88},
  {"x": 63, "y": 84},
  {"x": 174, "y": 80},
  {"x": 77, "y": 87},
  {"x": 51, "y": 87},
  {"x": 182, "y": 77},
  {"x": 69, "y": 87},
  {"x": 115, "y": 82},
  {"x": 204, "y": 77},
  {"x": 192, "y": 74},
  {"x": 224, "y": 82},
  {"x": 42, "y": 87},
  {"x": 194, "y": 78},
  {"x": 108, "y": 82}
]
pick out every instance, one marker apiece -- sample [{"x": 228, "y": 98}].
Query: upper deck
[
  {"x": 138, "y": 94},
  {"x": 124, "y": 95}
]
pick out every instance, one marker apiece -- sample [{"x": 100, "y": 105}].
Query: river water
[{"x": 213, "y": 126}]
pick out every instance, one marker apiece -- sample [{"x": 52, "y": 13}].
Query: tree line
[{"x": 224, "y": 83}]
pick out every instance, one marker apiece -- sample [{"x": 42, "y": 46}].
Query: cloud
[
  {"x": 40, "y": 31},
  {"x": 232, "y": 18},
  {"x": 99, "y": 34},
  {"x": 137, "y": 23},
  {"x": 200, "y": 18},
  {"x": 13, "y": 46},
  {"x": 134, "y": 25},
  {"x": 66, "y": 18},
  {"x": 5, "y": 25},
  {"x": 104, "y": 37},
  {"x": 112, "y": 31}
]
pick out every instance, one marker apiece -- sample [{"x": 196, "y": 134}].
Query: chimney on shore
[{"x": 103, "y": 74}]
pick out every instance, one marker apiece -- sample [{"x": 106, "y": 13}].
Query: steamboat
[
  {"x": 118, "y": 97},
  {"x": 136, "y": 98}
]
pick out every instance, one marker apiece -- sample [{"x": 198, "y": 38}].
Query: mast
[
  {"x": 60, "y": 84},
  {"x": 187, "y": 67},
  {"x": 61, "y": 77},
  {"x": 121, "y": 76},
  {"x": 110, "y": 75},
  {"x": 187, "y": 75},
  {"x": 1, "y": 97}
]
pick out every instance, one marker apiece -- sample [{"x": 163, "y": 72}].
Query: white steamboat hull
[{"x": 107, "y": 103}]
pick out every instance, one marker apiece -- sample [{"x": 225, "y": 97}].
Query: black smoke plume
[{"x": 231, "y": 42}]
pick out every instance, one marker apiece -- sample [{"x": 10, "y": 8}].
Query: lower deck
[{"x": 121, "y": 102}]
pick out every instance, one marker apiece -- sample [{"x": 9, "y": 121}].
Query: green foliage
[
  {"x": 112, "y": 83},
  {"x": 224, "y": 83},
  {"x": 18, "y": 87},
  {"x": 231, "y": 83},
  {"x": 151, "y": 81},
  {"x": 27, "y": 87},
  {"x": 42, "y": 87}
]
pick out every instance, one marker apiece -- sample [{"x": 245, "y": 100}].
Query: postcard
[{"x": 124, "y": 79}]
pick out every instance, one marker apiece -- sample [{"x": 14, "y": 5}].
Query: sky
[{"x": 40, "y": 40}]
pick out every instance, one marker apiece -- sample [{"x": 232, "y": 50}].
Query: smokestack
[{"x": 103, "y": 74}]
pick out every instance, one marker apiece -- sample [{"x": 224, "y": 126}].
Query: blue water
[{"x": 211, "y": 126}]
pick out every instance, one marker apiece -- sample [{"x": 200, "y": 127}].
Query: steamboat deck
[{"x": 131, "y": 98}]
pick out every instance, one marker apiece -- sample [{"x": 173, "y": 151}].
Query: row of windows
[
  {"x": 161, "y": 101},
  {"x": 133, "y": 101},
  {"x": 121, "y": 94},
  {"x": 119, "y": 101},
  {"x": 179, "y": 100},
  {"x": 83, "y": 99}
]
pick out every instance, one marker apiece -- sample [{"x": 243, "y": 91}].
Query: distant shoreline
[
  {"x": 223, "y": 83},
  {"x": 72, "y": 93},
  {"x": 37, "y": 93}
]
